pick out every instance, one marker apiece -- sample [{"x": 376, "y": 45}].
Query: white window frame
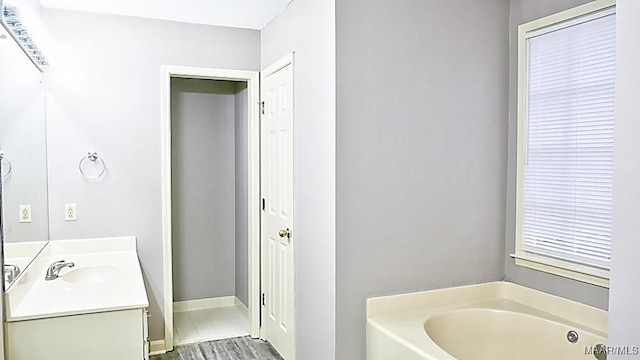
[{"x": 589, "y": 274}]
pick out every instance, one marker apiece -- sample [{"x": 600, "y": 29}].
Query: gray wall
[
  {"x": 523, "y": 11},
  {"x": 624, "y": 312},
  {"x": 203, "y": 188},
  {"x": 241, "y": 194},
  {"x": 421, "y": 150},
  {"x": 308, "y": 28},
  {"x": 103, "y": 93}
]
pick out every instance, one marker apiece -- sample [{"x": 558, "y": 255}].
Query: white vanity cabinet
[
  {"x": 109, "y": 335},
  {"x": 93, "y": 308}
]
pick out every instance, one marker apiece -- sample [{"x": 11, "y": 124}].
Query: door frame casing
[
  {"x": 287, "y": 60},
  {"x": 252, "y": 79}
]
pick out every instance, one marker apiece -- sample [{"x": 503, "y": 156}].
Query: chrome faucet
[
  {"x": 11, "y": 272},
  {"x": 54, "y": 269}
]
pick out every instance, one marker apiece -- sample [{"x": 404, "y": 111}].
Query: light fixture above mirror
[{"x": 13, "y": 23}]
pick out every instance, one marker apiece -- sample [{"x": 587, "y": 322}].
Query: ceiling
[{"x": 249, "y": 14}]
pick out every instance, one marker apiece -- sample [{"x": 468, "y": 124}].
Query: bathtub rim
[{"x": 444, "y": 298}]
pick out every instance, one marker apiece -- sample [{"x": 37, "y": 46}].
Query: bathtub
[{"x": 498, "y": 320}]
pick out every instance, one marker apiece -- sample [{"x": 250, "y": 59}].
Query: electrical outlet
[
  {"x": 69, "y": 212},
  {"x": 25, "y": 213}
]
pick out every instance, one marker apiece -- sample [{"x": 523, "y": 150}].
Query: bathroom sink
[{"x": 90, "y": 275}]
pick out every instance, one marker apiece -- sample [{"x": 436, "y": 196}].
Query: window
[{"x": 565, "y": 143}]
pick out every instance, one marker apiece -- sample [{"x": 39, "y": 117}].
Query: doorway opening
[
  {"x": 211, "y": 222},
  {"x": 210, "y": 246}
]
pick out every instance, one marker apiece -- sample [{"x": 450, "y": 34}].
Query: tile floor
[{"x": 210, "y": 324}]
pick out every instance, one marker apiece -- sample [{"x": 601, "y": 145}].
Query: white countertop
[{"x": 122, "y": 288}]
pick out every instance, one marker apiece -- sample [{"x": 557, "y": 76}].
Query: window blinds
[{"x": 569, "y": 140}]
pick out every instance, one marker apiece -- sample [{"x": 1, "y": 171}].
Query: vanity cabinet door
[{"x": 99, "y": 336}]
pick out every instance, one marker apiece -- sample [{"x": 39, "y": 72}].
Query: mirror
[{"x": 24, "y": 198}]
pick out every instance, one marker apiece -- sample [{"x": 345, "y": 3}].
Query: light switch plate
[
  {"x": 25, "y": 213},
  {"x": 70, "y": 212}
]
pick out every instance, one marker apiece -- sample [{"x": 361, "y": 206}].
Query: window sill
[{"x": 564, "y": 268}]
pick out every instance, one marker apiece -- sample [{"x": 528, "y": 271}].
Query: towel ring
[
  {"x": 93, "y": 157},
  {"x": 3, "y": 157}
]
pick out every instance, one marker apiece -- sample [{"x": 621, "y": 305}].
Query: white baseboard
[
  {"x": 157, "y": 347},
  {"x": 242, "y": 306},
  {"x": 201, "y": 304}
]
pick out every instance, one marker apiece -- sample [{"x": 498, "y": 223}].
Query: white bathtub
[{"x": 496, "y": 321}]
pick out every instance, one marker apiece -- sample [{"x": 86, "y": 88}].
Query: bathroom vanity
[{"x": 95, "y": 307}]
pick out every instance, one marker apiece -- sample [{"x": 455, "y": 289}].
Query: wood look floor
[{"x": 241, "y": 348}]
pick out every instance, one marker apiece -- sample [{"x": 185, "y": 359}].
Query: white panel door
[{"x": 277, "y": 220}]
